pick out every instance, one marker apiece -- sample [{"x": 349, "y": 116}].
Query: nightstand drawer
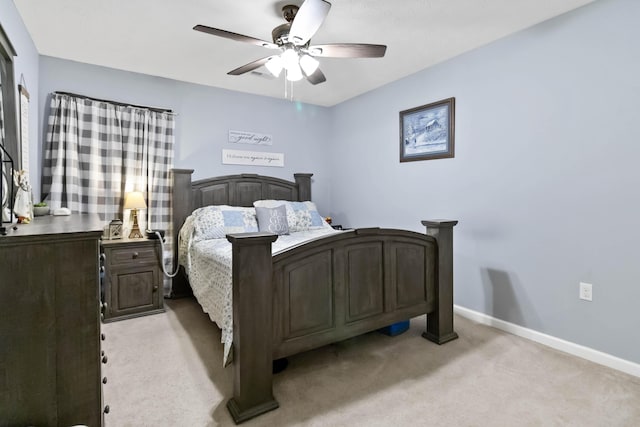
[{"x": 132, "y": 255}]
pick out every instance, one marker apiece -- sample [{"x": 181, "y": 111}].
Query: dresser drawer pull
[
  {"x": 106, "y": 409},
  {"x": 104, "y": 380},
  {"x": 104, "y": 359},
  {"x": 135, "y": 255}
]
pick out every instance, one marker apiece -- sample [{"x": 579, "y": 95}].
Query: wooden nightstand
[{"x": 132, "y": 282}]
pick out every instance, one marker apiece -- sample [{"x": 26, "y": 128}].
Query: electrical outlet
[{"x": 586, "y": 291}]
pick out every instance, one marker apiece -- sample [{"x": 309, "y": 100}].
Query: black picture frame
[{"x": 428, "y": 132}]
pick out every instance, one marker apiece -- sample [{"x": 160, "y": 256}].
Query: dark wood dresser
[{"x": 50, "y": 357}]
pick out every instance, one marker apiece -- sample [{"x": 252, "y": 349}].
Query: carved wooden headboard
[{"x": 233, "y": 190}]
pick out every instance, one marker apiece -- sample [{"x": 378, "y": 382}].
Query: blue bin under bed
[{"x": 395, "y": 329}]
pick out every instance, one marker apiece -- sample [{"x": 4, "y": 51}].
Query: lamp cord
[{"x": 164, "y": 269}]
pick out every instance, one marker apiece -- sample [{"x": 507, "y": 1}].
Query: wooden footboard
[{"x": 329, "y": 290}]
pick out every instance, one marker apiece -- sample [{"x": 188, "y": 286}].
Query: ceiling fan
[{"x": 296, "y": 56}]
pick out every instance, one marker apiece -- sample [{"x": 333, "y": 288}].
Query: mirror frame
[{"x": 7, "y": 82}]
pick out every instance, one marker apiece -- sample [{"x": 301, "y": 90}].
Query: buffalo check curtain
[{"x": 96, "y": 151}]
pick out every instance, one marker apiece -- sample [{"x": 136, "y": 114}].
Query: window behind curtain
[{"x": 97, "y": 151}]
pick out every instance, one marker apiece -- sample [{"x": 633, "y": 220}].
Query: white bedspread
[{"x": 208, "y": 264}]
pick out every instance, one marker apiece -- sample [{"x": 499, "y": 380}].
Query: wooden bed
[{"x": 318, "y": 293}]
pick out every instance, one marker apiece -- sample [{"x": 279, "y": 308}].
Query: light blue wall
[
  {"x": 544, "y": 181},
  {"x": 205, "y": 115},
  {"x": 25, "y": 67}
]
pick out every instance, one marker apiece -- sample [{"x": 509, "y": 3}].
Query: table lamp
[{"x": 134, "y": 201}]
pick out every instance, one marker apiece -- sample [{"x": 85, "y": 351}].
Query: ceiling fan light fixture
[
  {"x": 274, "y": 65},
  {"x": 292, "y": 42},
  {"x": 308, "y": 64},
  {"x": 290, "y": 59},
  {"x": 294, "y": 73}
]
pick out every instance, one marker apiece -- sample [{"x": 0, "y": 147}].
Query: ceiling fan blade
[
  {"x": 235, "y": 36},
  {"x": 307, "y": 21},
  {"x": 316, "y": 77},
  {"x": 250, "y": 66},
  {"x": 348, "y": 50}
]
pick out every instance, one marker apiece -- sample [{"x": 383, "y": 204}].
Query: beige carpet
[{"x": 166, "y": 370}]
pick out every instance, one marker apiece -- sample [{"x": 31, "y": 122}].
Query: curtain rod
[{"x": 122, "y": 104}]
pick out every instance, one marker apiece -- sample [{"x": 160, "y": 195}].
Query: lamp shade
[
  {"x": 290, "y": 59},
  {"x": 294, "y": 73},
  {"x": 274, "y": 65},
  {"x": 134, "y": 200},
  {"x": 308, "y": 64}
]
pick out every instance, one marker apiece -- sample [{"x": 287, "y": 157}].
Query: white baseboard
[{"x": 587, "y": 353}]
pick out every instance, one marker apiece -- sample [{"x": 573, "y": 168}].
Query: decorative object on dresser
[
  {"x": 23, "y": 205},
  {"x": 317, "y": 292},
  {"x": 40, "y": 209},
  {"x": 134, "y": 201},
  {"x": 132, "y": 282},
  {"x": 50, "y": 356},
  {"x": 115, "y": 229}
]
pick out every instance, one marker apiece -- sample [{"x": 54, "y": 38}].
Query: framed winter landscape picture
[{"x": 427, "y": 132}]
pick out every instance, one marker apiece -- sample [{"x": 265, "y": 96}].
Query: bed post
[
  {"x": 252, "y": 326},
  {"x": 304, "y": 186},
  {"x": 182, "y": 205},
  {"x": 440, "y": 321}
]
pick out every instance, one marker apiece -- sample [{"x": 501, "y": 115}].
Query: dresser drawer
[{"x": 131, "y": 255}]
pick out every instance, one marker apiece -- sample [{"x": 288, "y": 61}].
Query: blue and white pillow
[
  {"x": 307, "y": 215},
  {"x": 215, "y": 222}
]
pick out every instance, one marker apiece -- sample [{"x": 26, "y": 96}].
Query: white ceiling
[{"x": 156, "y": 37}]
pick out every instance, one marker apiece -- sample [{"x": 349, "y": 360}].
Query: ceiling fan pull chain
[{"x": 285, "y": 84}]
